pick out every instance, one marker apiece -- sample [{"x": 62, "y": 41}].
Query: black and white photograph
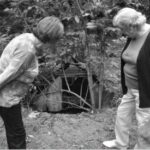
[{"x": 75, "y": 74}]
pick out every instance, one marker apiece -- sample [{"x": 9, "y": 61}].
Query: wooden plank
[{"x": 54, "y": 98}]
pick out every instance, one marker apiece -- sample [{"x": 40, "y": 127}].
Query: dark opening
[{"x": 79, "y": 86}]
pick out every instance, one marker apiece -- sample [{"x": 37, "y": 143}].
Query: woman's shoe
[
  {"x": 110, "y": 144},
  {"x": 113, "y": 144}
]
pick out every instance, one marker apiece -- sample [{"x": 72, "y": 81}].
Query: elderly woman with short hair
[
  {"x": 18, "y": 68},
  {"x": 135, "y": 78}
]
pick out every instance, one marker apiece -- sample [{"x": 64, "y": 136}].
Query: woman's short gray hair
[
  {"x": 48, "y": 29},
  {"x": 129, "y": 17}
]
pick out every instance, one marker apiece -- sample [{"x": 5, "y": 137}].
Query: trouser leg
[
  {"x": 15, "y": 132},
  {"x": 143, "y": 117},
  {"x": 125, "y": 113}
]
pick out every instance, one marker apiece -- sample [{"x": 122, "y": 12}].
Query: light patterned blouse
[{"x": 18, "y": 68}]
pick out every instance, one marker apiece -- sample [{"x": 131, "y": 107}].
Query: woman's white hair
[{"x": 129, "y": 17}]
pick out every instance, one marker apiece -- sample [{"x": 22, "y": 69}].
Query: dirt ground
[{"x": 68, "y": 130}]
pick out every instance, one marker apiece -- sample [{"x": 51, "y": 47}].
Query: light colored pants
[{"x": 129, "y": 108}]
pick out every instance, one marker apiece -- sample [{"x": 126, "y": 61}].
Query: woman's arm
[{"x": 18, "y": 64}]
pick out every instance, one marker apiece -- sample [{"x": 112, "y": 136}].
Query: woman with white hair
[
  {"x": 18, "y": 68},
  {"x": 135, "y": 78}
]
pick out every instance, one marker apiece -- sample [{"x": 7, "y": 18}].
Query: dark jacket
[{"x": 143, "y": 70}]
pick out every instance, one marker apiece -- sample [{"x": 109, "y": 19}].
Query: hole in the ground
[{"x": 71, "y": 111}]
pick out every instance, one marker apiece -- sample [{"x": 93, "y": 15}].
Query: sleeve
[{"x": 21, "y": 60}]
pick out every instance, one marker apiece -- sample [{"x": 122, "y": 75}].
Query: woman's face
[
  {"x": 130, "y": 31},
  {"x": 46, "y": 47}
]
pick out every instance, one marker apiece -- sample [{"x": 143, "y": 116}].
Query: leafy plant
[{"x": 88, "y": 26}]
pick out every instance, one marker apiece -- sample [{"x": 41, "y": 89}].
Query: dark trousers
[{"x": 15, "y": 131}]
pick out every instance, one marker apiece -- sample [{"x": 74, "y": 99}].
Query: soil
[
  {"x": 74, "y": 129},
  {"x": 71, "y": 130}
]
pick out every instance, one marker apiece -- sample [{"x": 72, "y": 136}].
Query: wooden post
[
  {"x": 90, "y": 82},
  {"x": 54, "y": 99}
]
